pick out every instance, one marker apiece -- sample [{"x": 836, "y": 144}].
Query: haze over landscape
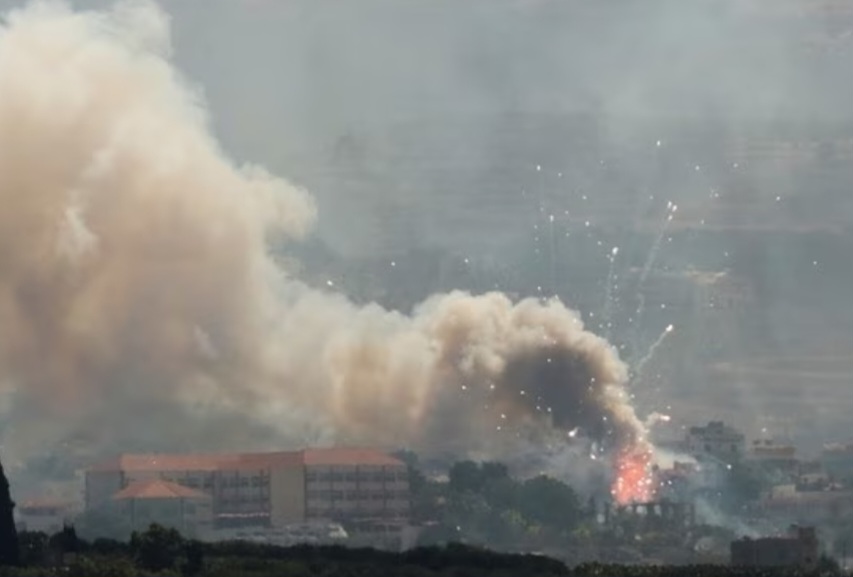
[{"x": 652, "y": 164}]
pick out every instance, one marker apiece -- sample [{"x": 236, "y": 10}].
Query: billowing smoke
[{"x": 141, "y": 307}]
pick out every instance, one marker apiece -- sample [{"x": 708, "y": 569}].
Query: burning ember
[{"x": 633, "y": 482}]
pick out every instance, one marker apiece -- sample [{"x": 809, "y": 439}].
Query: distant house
[
  {"x": 798, "y": 549},
  {"x": 716, "y": 441},
  {"x": 806, "y": 507},
  {"x": 837, "y": 460},
  {"x": 168, "y": 504},
  {"x": 44, "y": 515},
  {"x": 774, "y": 458}
]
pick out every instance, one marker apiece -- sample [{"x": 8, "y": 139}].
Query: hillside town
[{"x": 723, "y": 499}]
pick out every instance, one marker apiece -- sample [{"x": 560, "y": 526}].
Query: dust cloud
[{"x": 142, "y": 309}]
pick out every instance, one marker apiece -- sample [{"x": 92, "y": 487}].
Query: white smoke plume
[{"x": 140, "y": 307}]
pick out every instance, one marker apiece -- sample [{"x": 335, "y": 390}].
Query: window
[{"x": 350, "y": 477}]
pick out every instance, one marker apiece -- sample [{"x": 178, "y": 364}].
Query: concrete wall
[
  {"x": 287, "y": 495},
  {"x": 101, "y": 486},
  {"x": 192, "y": 517}
]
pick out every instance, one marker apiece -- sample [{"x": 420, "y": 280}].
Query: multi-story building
[
  {"x": 271, "y": 489},
  {"x": 775, "y": 459},
  {"x": 837, "y": 460},
  {"x": 799, "y": 549},
  {"x": 827, "y": 506},
  {"x": 347, "y": 485},
  {"x": 716, "y": 442}
]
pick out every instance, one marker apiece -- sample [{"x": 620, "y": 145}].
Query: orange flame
[{"x": 634, "y": 479}]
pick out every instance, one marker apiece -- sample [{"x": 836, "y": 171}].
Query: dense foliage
[
  {"x": 162, "y": 552},
  {"x": 482, "y": 504},
  {"x": 479, "y": 505}
]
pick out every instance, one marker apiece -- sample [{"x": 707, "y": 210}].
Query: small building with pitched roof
[{"x": 168, "y": 504}]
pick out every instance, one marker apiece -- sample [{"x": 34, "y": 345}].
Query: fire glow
[{"x": 633, "y": 483}]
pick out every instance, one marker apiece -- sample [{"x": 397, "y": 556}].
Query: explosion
[
  {"x": 142, "y": 308},
  {"x": 634, "y": 480}
]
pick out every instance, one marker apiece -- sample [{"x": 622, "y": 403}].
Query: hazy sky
[
  {"x": 435, "y": 79},
  {"x": 288, "y": 79}
]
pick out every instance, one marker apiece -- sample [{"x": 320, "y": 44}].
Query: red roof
[
  {"x": 158, "y": 489},
  {"x": 45, "y": 503},
  {"x": 159, "y": 463},
  {"x": 243, "y": 461},
  {"x": 211, "y": 462}
]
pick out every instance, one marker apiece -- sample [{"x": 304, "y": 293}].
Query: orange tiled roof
[
  {"x": 130, "y": 462},
  {"x": 45, "y": 503},
  {"x": 211, "y": 462},
  {"x": 158, "y": 489}
]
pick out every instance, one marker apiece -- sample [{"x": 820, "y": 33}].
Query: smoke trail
[
  {"x": 671, "y": 209},
  {"x": 607, "y": 315},
  {"x": 641, "y": 365},
  {"x": 140, "y": 304}
]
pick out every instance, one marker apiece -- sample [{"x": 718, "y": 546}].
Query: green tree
[
  {"x": 417, "y": 480},
  {"x": 503, "y": 493},
  {"x": 425, "y": 494},
  {"x": 550, "y": 502},
  {"x": 101, "y": 567},
  {"x": 158, "y": 548},
  {"x": 465, "y": 476},
  {"x": 33, "y": 546},
  {"x": 195, "y": 559},
  {"x": 65, "y": 541},
  {"x": 470, "y": 476},
  {"x": 492, "y": 472},
  {"x": 9, "y": 551}
]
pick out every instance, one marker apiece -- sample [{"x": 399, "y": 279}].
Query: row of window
[
  {"x": 332, "y": 513},
  {"x": 353, "y": 477},
  {"x": 357, "y": 495},
  {"x": 208, "y": 482},
  {"x": 243, "y": 500}
]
